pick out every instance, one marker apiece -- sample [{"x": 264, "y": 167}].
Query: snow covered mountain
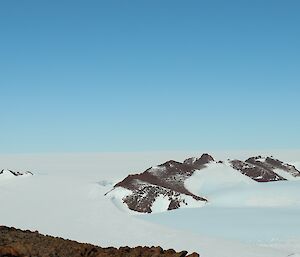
[
  {"x": 161, "y": 187},
  {"x": 164, "y": 187}
]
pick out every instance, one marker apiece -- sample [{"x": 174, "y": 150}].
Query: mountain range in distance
[{"x": 165, "y": 186}]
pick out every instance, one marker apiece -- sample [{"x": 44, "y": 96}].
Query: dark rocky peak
[
  {"x": 165, "y": 180},
  {"x": 190, "y": 161},
  {"x": 206, "y": 158},
  {"x": 170, "y": 164},
  {"x": 263, "y": 169},
  {"x": 199, "y": 162}
]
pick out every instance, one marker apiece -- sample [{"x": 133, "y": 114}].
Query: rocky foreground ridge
[
  {"x": 165, "y": 183},
  {"x": 18, "y": 243}
]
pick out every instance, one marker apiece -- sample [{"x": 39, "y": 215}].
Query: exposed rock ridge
[
  {"x": 166, "y": 180},
  {"x": 263, "y": 169},
  {"x": 18, "y": 243},
  {"x": 275, "y": 163}
]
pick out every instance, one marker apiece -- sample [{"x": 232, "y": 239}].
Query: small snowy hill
[
  {"x": 8, "y": 174},
  {"x": 174, "y": 185}
]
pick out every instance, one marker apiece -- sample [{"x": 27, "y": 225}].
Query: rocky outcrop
[
  {"x": 15, "y": 173},
  {"x": 255, "y": 172},
  {"x": 263, "y": 169},
  {"x": 276, "y": 164},
  {"x": 18, "y": 243},
  {"x": 165, "y": 180},
  {"x": 198, "y": 163}
]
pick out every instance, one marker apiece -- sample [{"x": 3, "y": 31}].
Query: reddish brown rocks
[
  {"x": 18, "y": 243},
  {"x": 9, "y": 251},
  {"x": 263, "y": 169},
  {"x": 165, "y": 180},
  {"x": 255, "y": 172}
]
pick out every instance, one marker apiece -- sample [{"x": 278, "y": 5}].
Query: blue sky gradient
[{"x": 85, "y": 76}]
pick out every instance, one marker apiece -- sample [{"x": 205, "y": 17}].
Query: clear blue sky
[{"x": 149, "y": 75}]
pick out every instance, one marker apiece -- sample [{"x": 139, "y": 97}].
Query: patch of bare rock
[{"x": 263, "y": 169}]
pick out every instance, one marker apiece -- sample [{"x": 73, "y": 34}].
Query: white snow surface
[
  {"x": 297, "y": 165},
  {"x": 216, "y": 177},
  {"x": 160, "y": 204},
  {"x": 65, "y": 198},
  {"x": 224, "y": 186}
]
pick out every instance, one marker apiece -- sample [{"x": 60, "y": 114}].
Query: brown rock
[
  {"x": 8, "y": 251},
  {"x": 166, "y": 179},
  {"x": 18, "y": 243}
]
